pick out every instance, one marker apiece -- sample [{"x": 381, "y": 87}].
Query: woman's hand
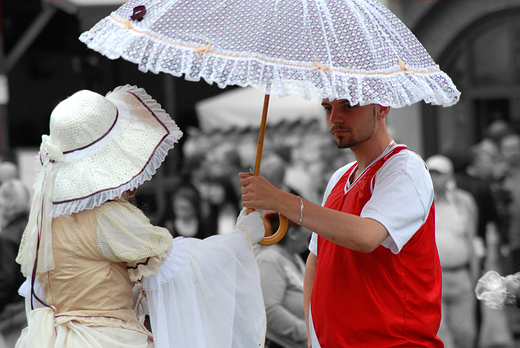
[{"x": 253, "y": 224}]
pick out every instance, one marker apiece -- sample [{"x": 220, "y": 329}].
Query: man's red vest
[{"x": 377, "y": 299}]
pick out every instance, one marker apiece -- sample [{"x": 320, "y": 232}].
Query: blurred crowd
[
  {"x": 477, "y": 202},
  {"x": 298, "y": 157},
  {"x": 477, "y": 193}
]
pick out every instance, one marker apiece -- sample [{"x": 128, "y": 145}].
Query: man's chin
[{"x": 343, "y": 143}]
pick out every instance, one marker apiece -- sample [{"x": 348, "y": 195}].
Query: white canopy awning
[{"x": 242, "y": 107}]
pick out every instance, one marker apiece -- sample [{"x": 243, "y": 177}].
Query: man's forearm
[{"x": 350, "y": 231}]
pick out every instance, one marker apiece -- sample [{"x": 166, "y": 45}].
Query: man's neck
[{"x": 368, "y": 151}]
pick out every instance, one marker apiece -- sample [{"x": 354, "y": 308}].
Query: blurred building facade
[{"x": 477, "y": 42}]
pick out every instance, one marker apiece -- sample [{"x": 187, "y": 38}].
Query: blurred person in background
[
  {"x": 476, "y": 172},
  {"x": 224, "y": 162},
  {"x": 229, "y": 164},
  {"x": 8, "y": 171},
  {"x": 456, "y": 217},
  {"x": 306, "y": 157},
  {"x": 184, "y": 213},
  {"x": 332, "y": 158},
  {"x": 282, "y": 272},
  {"x": 14, "y": 214},
  {"x": 14, "y": 210},
  {"x": 510, "y": 150},
  {"x": 218, "y": 187},
  {"x": 220, "y": 200},
  {"x": 497, "y": 130},
  {"x": 274, "y": 167}
]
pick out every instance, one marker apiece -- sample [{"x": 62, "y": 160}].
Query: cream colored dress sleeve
[{"x": 125, "y": 234}]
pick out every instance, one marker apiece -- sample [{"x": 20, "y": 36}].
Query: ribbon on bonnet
[{"x": 37, "y": 237}]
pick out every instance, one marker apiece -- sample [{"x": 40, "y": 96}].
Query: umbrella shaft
[{"x": 260, "y": 146}]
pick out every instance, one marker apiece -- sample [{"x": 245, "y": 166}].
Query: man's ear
[{"x": 382, "y": 111}]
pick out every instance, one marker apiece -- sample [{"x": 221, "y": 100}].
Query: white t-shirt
[{"x": 402, "y": 194}]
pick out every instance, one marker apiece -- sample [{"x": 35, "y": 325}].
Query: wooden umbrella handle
[
  {"x": 284, "y": 222},
  {"x": 279, "y": 234}
]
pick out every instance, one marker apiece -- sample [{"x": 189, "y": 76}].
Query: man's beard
[
  {"x": 346, "y": 142},
  {"x": 343, "y": 143}
]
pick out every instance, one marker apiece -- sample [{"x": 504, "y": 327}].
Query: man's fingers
[{"x": 244, "y": 181}]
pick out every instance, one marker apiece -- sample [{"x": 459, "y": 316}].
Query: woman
[
  {"x": 281, "y": 277},
  {"x": 86, "y": 246},
  {"x": 185, "y": 214}
]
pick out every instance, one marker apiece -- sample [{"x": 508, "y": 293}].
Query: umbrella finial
[{"x": 139, "y": 12}]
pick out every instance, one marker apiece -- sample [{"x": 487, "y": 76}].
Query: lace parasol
[{"x": 336, "y": 49}]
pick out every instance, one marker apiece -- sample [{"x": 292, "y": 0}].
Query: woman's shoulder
[{"x": 121, "y": 208}]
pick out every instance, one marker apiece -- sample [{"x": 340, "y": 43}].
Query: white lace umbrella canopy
[{"x": 337, "y": 49}]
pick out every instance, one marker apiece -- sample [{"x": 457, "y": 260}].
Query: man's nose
[{"x": 336, "y": 116}]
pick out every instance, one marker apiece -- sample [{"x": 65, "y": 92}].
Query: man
[
  {"x": 456, "y": 220},
  {"x": 510, "y": 149},
  {"x": 474, "y": 171},
  {"x": 378, "y": 279}
]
